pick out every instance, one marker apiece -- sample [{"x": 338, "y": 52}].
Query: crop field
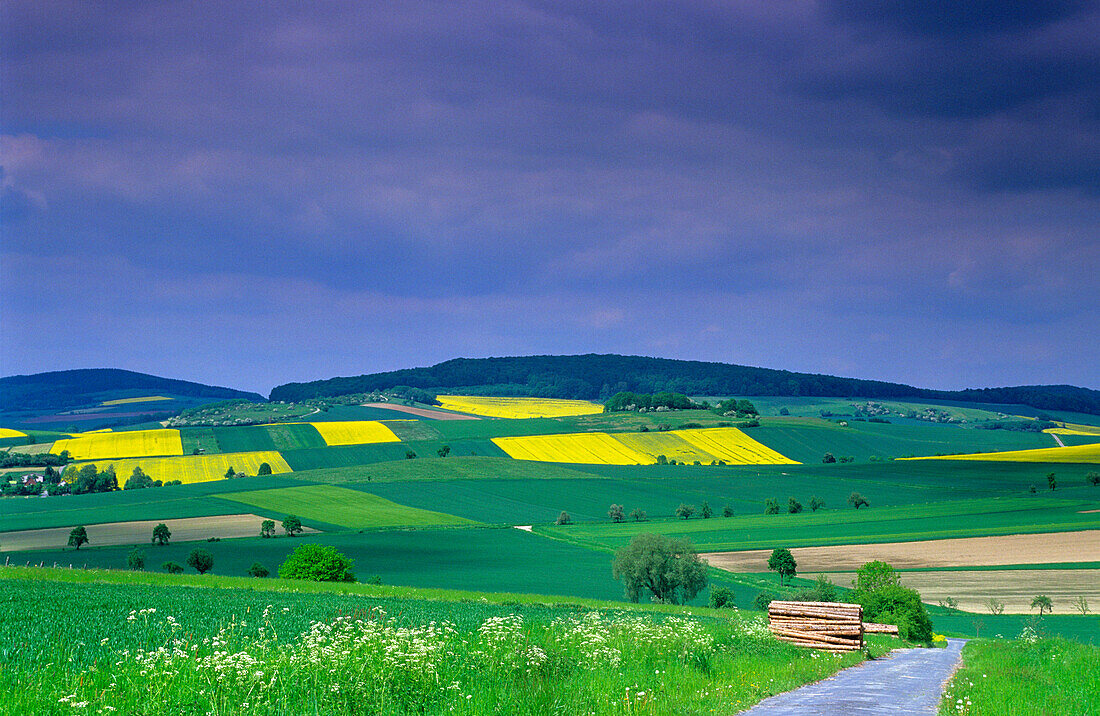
[
  {"x": 1088, "y": 453},
  {"x": 708, "y": 445},
  {"x": 127, "y": 401},
  {"x": 135, "y": 532},
  {"x": 419, "y": 412},
  {"x": 132, "y": 443},
  {"x": 517, "y": 407},
  {"x": 344, "y": 456},
  {"x": 194, "y": 468},
  {"x": 9, "y": 433},
  {"x": 1075, "y": 429},
  {"x": 343, "y": 507},
  {"x": 355, "y": 432}
]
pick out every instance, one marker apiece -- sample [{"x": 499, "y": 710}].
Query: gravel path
[{"x": 908, "y": 682}]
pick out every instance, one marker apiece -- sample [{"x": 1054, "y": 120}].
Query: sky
[{"x": 252, "y": 193}]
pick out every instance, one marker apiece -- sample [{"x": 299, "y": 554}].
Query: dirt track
[
  {"x": 1053, "y": 547},
  {"x": 421, "y": 412},
  {"x": 138, "y": 532}
]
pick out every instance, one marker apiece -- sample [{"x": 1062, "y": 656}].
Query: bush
[
  {"x": 721, "y": 597},
  {"x": 135, "y": 561},
  {"x": 200, "y": 560},
  {"x": 896, "y": 605},
  {"x": 317, "y": 563},
  {"x": 172, "y": 567},
  {"x": 258, "y": 570},
  {"x": 771, "y": 506},
  {"x": 793, "y": 506},
  {"x": 564, "y": 518},
  {"x": 762, "y": 600},
  {"x": 727, "y": 511},
  {"x": 822, "y": 591}
]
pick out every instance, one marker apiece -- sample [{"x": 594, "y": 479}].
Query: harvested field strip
[
  {"x": 962, "y": 552},
  {"x": 1014, "y": 588},
  {"x": 1074, "y": 454},
  {"x": 9, "y": 433},
  {"x": 420, "y": 412},
  {"x": 125, "y": 401},
  {"x": 132, "y": 443},
  {"x": 584, "y": 448},
  {"x": 355, "y": 432},
  {"x": 518, "y": 408},
  {"x": 341, "y": 506},
  {"x": 733, "y": 446},
  {"x": 137, "y": 532},
  {"x": 194, "y": 468}
]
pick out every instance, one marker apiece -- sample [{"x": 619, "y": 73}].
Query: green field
[{"x": 340, "y": 506}]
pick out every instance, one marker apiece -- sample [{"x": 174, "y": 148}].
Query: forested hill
[
  {"x": 599, "y": 376},
  {"x": 77, "y": 388}
]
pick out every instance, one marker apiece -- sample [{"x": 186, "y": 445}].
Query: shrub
[
  {"x": 172, "y": 567},
  {"x": 771, "y": 506},
  {"x": 727, "y": 511},
  {"x": 793, "y": 506},
  {"x": 762, "y": 600},
  {"x": 721, "y": 597},
  {"x": 135, "y": 561},
  {"x": 258, "y": 570},
  {"x": 822, "y": 591},
  {"x": 317, "y": 563},
  {"x": 564, "y": 518},
  {"x": 200, "y": 560}
]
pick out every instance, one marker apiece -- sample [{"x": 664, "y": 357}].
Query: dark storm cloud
[{"x": 836, "y": 164}]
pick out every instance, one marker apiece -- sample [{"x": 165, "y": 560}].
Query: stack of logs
[{"x": 833, "y": 626}]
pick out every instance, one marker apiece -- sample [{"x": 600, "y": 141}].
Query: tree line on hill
[{"x": 599, "y": 377}]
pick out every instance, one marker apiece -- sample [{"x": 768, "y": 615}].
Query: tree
[
  {"x": 782, "y": 562},
  {"x": 1044, "y": 604},
  {"x": 828, "y": 458},
  {"x": 721, "y": 597},
  {"x": 267, "y": 528},
  {"x": 685, "y": 511},
  {"x": 784, "y": 411},
  {"x": 444, "y": 451},
  {"x": 857, "y": 500},
  {"x": 161, "y": 534},
  {"x": 995, "y": 606},
  {"x": 258, "y": 570},
  {"x": 894, "y": 604},
  {"x": 292, "y": 525},
  {"x": 727, "y": 511},
  {"x": 230, "y": 473},
  {"x": 1093, "y": 478},
  {"x": 669, "y": 569},
  {"x": 705, "y": 511},
  {"x": 172, "y": 567},
  {"x": 135, "y": 561},
  {"x": 317, "y": 563},
  {"x": 564, "y": 518},
  {"x": 200, "y": 560},
  {"x": 78, "y": 536},
  {"x": 638, "y": 514},
  {"x": 1081, "y": 604},
  {"x": 264, "y": 469},
  {"x": 816, "y": 503},
  {"x": 793, "y": 506},
  {"x": 876, "y": 575},
  {"x": 615, "y": 512},
  {"x": 1053, "y": 483},
  {"x": 771, "y": 506},
  {"x": 138, "y": 480},
  {"x": 410, "y": 455}
]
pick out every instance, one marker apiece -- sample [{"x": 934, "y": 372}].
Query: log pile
[
  {"x": 872, "y": 628},
  {"x": 832, "y": 626}
]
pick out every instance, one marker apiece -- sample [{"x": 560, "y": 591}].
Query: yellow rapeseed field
[
  {"x": 1074, "y": 429},
  {"x": 9, "y": 433},
  {"x": 707, "y": 445},
  {"x": 517, "y": 407},
  {"x": 587, "y": 448},
  {"x": 194, "y": 468},
  {"x": 1073, "y": 453},
  {"x": 130, "y": 443},
  {"x": 355, "y": 432},
  {"x": 124, "y": 401}
]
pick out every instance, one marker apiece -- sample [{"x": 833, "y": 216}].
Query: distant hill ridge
[
  {"x": 594, "y": 376},
  {"x": 76, "y": 388}
]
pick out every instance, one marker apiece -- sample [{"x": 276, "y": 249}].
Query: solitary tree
[
  {"x": 615, "y": 512},
  {"x": 258, "y": 570},
  {"x": 267, "y": 528},
  {"x": 264, "y": 469},
  {"x": 669, "y": 569},
  {"x": 771, "y": 506},
  {"x": 1081, "y": 604},
  {"x": 857, "y": 500},
  {"x": 995, "y": 606},
  {"x": 1093, "y": 478},
  {"x": 78, "y": 536},
  {"x": 782, "y": 562},
  {"x": 317, "y": 563},
  {"x": 828, "y": 457},
  {"x": 201, "y": 560},
  {"x": 1044, "y": 604},
  {"x": 230, "y": 473},
  {"x": 161, "y": 534},
  {"x": 816, "y": 503},
  {"x": 1051, "y": 482},
  {"x": 135, "y": 561},
  {"x": 292, "y": 525},
  {"x": 793, "y": 506},
  {"x": 564, "y": 518},
  {"x": 444, "y": 451},
  {"x": 705, "y": 510},
  {"x": 727, "y": 511},
  {"x": 685, "y": 511},
  {"x": 638, "y": 514}
]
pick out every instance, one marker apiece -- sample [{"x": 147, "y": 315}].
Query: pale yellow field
[
  {"x": 124, "y": 401},
  {"x": 355, "y": 432},
  {"x": 133, "y": 443},
  {"x": 587, "y": 448},
  {"x": 518, "y": 407},
  {"x": 1073, "y": 453},
  {"x": 707, "y": 445},
  {"x": 733, "y": 447},
  {"x": 194, "y": 468},
  {"x": 1074, "y": 429},
  {"x": 9, "y": 433}
]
